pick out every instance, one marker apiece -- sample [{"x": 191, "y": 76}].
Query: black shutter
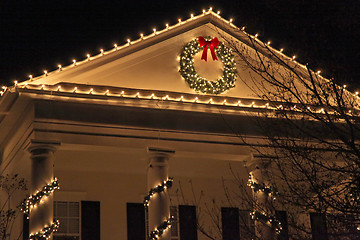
[
  {"x": 187, "y": 219},
  {"x": 318, "y": 226},
  {"x": 282, "y": 217},
  {"x": 26, "y": 233},
  {"x": 90, "y": 220},
  {"x": 135, "y": 221},
  {"x": 230, "y": 223}
]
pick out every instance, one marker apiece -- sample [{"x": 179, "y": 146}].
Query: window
[
  {"x": 135, "y": 221},
  {"x": 318, "y": 226},
  {"x": 184, "y": 223},
  {"x": 68, "y": 214}
]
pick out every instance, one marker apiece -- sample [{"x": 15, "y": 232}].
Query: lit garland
[
  {"x": 258, "y": 216},
  {"x": 166, "y": 224},
  {"x": 276, "y": 224},
  {"x": 270, "y": 191},
  {"x": 200, "y": 84},
  {"x": 46, "y": 232},
  {"x": 35, "y": 199},
  {"x": 158, "y": 189},
  {"x": 160, "y": 230}
]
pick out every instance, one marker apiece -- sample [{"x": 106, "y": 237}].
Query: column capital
[
  {"x": 159, "y": 156},
  {"x": 258, "y": 162},
  {"x": 160, "y": 151},
  {"x": 39, "y": 146}
]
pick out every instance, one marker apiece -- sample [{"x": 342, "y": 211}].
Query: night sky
[{"x": 39, "y": 35}]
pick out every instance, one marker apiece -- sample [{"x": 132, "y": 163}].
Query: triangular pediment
[{"x": 152, "y": 62}]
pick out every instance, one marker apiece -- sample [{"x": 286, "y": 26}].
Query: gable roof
[{"x": 127, "y": 66}]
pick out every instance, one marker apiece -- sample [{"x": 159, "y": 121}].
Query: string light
[
  {"x": 35, "y": 199},
  {"x": 261, "y": 216},
  {"x": 167, "y": 26},
  {"x": 256, "y": 187},
  {"x": 158, "y": 231},
  {"x": 46, "y": 232}
]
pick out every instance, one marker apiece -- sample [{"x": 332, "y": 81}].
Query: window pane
[
  {"x": 62, "y": 209},
  {"x": 63, "y": 225},
  {"x": 73, "y": 225},
  {"x": 73, "y": 209}
]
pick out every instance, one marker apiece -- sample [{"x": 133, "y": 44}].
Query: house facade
[{"x": 114, "y": 126}]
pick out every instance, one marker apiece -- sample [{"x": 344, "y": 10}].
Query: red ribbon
[{"x": 214, "y": 43}]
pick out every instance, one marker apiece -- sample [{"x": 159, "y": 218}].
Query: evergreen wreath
[{"x": 200, "y": 84}]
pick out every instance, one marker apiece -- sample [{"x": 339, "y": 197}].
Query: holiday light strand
[
  {"x": 256, "y": 187},
  {"x": 158, "y": 189},
  {"x": 36, "y": 198},
  {"x": 200, "y": 84},
  {"x": 46, "y": 232},
  {"x": 258, "y": 216},
  {"x": 157, "y": 232},
  {"x": 160, "y": 229}
]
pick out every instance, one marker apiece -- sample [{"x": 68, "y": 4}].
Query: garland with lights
[
  {"x": 200, "y": 84},
  {"x": 258, "y": 216},
  {"x": 46, "y": 232},
  {"x": 270, "y": 191},
  {"x": 158, "y": 189},
  {"x": 160, "y": 229},
  {"x": 35, "y": 199},
  {"x": 155, "y": 234},
  {"x": 276, "y": 224}
]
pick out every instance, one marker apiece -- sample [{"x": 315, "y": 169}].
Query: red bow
[{"x": 214, "y": 43}]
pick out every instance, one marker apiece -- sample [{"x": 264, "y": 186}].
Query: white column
[
  {"x": 258, "y": 168},
  {"x": 42, "y": 173},
  {"x": 157, "y": 173}
]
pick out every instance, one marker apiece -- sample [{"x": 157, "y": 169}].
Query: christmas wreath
[{"x": 217, "y": 48}]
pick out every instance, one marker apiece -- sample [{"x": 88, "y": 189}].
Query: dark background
[{"x": 39, "y": 35}]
